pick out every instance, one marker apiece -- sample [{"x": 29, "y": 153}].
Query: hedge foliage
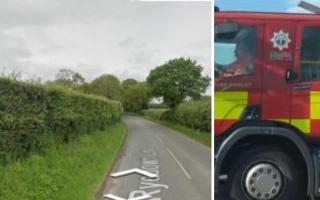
[
  {"x": 195, "y": 114},
  {"x": 28, "y": 113},
  {"x": 156, "y": 113}
]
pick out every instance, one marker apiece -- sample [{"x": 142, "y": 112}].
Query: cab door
[
  {"x": 237, "y": 93},
  {"x": 305, "y": 105},
  {"x": 279, "y": 59}
]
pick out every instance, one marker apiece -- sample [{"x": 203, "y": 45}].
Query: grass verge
[
  {"x": 65, "y": 171},
  {"x": 202, "y": 137}
]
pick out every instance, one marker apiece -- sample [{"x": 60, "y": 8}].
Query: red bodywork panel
[{"x": 267, "y": 87}]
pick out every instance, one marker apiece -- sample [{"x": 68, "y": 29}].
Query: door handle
[{"x": 291, "y": 75}]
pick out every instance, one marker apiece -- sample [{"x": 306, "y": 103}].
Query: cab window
[
  {"x": 234, "y": 50},
  {"x": 310, "y": 54}
]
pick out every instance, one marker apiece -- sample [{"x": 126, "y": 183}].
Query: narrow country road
[{"x": 183, "y": 165}]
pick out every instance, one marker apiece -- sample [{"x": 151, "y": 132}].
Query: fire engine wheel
[{"x": 265, "y": 174}]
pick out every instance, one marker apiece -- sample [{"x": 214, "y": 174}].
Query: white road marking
[
  {"x": 137, "y": 171},
  {"x": 179, "y": 163},
  {"x": 159, "y": 139},
  {"x": 113, "y": 197}
]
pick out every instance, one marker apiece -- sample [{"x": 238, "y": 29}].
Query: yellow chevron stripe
[
  {"x": 282, "y": 120},
  {"x": 234, "y": 95},
  {"x": 302, "y": 124},
  {"x": 229, "y": 105},
  {"x": 315, "y": 105}
]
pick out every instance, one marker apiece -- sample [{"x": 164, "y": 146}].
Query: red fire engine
[{"x": 267, "y": 105}]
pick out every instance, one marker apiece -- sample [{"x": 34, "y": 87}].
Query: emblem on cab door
[{"x": 281, "y": 40}]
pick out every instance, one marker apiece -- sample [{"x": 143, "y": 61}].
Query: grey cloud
[
  {"x": 13, "y": 49},
  {"x": 129, "y": 42},
  {"x": 123, "y": 37}
]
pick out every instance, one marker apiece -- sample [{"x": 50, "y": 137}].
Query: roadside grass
[
  {"x": 65, "y": 171},
  {"x": 202, "y": 137}
]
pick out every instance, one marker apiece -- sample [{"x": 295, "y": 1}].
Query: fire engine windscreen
[{"x": 234, "y": 47}]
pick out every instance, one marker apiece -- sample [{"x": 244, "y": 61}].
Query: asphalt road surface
[{"x": 183, "y": 165}]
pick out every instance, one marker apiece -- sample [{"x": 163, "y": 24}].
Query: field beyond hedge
[{"x": 65, "y": 171}]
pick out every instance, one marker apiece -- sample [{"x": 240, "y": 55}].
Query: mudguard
[{"x": 291, "y": 135}]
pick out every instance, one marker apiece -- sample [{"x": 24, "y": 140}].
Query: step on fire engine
[{"x": 267, "y": 105}]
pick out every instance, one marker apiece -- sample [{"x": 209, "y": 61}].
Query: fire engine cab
[{"x": 267, "y": 105}]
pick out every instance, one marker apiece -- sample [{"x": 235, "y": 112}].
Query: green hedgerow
[{"x": 27, "y": 111}]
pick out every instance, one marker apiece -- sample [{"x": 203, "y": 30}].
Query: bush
[
  {"x": 28, "y": 111},
  {"x": 154, "y": 105},
  {"x": 159, "y": 114},
  {"x": 195, "y": 114}
]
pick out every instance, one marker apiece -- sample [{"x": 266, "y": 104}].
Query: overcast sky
[
  {"x": 121, "y": 37},
  {"x": 265, "y": 6}
]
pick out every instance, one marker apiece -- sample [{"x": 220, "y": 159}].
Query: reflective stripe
[
  {"x": 302, "y": 124},
  {"x": 234, "y": 95},
  {"x": 229, "y": 110},
  {"x": 314, "y": 97},
  {"x": 229, "y": 105},
  {"x": 315, "y": 110},
  {"x": 315, "y": 105},
  {"x": 282, "y": 120}
]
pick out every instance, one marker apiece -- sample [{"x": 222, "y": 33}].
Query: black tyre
[{"x": 265, "y": 174}]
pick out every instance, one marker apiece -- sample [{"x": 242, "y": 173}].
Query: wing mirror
[{"x": 291, "y": 75}]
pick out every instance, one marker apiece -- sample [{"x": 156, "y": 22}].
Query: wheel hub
[{"x": 263, "y": 181}]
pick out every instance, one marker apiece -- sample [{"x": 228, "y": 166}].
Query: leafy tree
[
  {"x": 135, "y": 97},
  {"x": 69, "y": 79},
  {"x": 176, "y": 80},
  {"x": 10, "y": 74},
  {"x": 130, "y": 81},
  {"x": 106, "y": 85}
]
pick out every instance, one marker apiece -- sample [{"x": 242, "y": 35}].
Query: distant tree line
[{"x": 173, "y": 82}]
